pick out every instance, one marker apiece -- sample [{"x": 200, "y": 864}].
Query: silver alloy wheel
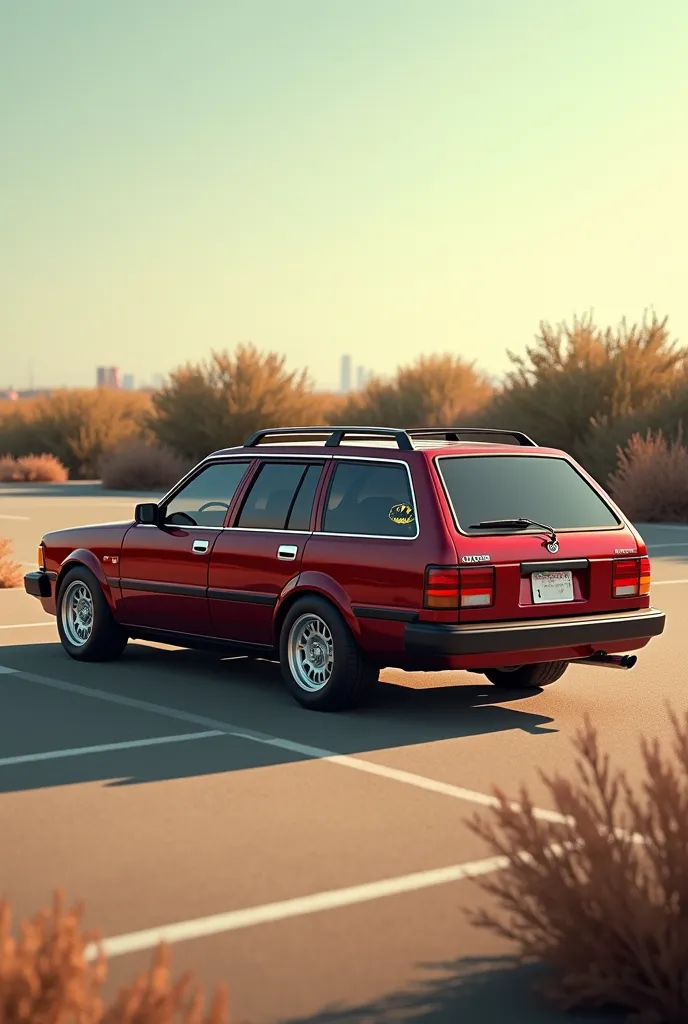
[
  {"x": 310, "y": 651},
  {"x": 76, "y": 613}
]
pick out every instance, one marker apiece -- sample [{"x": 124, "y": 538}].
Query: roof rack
[
  {"x": 336, "y": 435},
  {"x": 452, "y": 434},
  {"x": 404, "y": 438}
]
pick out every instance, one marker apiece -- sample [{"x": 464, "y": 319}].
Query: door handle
[
  {"x": 287, "y": 552},
  {"x": 199, "y": 547}
]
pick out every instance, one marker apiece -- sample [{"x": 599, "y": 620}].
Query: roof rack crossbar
[
  {"x": 336, "y": 435},
  {"x": 452, "y": 434}
]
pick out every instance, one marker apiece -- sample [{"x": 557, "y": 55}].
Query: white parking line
[
  {"x": 675, "y": 544},
  {"x": 23, "y": 519},
  {"x": 103, "y": 748},
  {"x": 316, "y": 753},
  {"x": 665, "y": 583},
  {"x": 233, "y": 920},
  {"x": 29, "y": 625}
]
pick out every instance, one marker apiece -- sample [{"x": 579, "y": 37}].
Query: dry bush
[
  {"x": 8, "y": 469},
  {"x": 436, "y": 390},
  {"x": 139, "y": 465},
  {"x": 651, "y": 481},
  {"x": 217, "y": 404},
  {"x": 32, "y": 469},
  {"x": 42, "y": 468},
  {"x": 11, "y": 572},
  {"x": 576, "y": 383},
  {"x": 48, "y": 976},
  {"x": 76, "y": 426},
  {"x": 603, "y": 897}
]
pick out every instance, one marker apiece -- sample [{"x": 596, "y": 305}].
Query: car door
[
  {"x": 164, "y": 569},
  {"x": 261, "y": 552}
]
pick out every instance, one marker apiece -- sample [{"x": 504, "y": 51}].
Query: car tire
[
  {"x": 527, "y": 677},
  {"x": 338, "y": 676},
  {"x": 85, "y": 623}
]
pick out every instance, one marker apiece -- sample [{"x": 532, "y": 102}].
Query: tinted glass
[
  {"x": 514, "y": 486},
  {"x": 269, "y": 502},
  {"x": 300, "y": 516},
  {"x": 205, "y": 499},
  {"x": 370, "y": 498}
]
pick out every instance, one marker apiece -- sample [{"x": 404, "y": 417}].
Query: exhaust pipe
[{"x": 623, "y": 661}]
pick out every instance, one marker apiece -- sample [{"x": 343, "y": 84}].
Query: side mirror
[{"x": 147, "y": 514}]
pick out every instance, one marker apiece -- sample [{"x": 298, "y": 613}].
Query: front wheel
[
  {"x": 527, "y": 677},
  {"x": 323, "y": 666},
  {"x": 85, "y": 623}
]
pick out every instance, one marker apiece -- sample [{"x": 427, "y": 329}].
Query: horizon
[{"x": 379, "y": 179}]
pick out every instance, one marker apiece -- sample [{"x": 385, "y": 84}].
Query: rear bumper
[
  {"x": 39, "y": 583},
  {"x": 538, "y": 635}
]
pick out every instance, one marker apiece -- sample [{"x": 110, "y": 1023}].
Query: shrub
[
  {"x": 603, "y": 897},
  {"x": 651, "y": 481},
  {"x": 217, "y": 404},
  {"x": 47, "y": 977},
  {"x": 11, "y": 573},
  {"x": 76, "y": 426},
  {"x": 574, "y": 378},
  {"x": 32, "y": 469},
  {"x": 8, "y": 469},
  {"x": 435, "y": 390},
  {"x": 139, "y": 465}
]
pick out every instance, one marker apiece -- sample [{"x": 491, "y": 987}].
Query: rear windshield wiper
[{"x": 512, "y": 524}]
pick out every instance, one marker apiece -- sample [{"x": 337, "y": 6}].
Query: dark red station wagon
[{"x": 344, "y": 550}]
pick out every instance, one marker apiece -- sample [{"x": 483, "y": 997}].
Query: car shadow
[
  {"x": 479, "y": 990},
  {"x": 243, "y": 694}
]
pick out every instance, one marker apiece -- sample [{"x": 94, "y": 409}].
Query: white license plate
[{"x": 552, "y": 587}]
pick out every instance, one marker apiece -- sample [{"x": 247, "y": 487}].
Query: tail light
[
  {"x": 645, "y": 576},
  {"x": 631, "y": 577},
  {"x": 477, "y": 587},
  {"x": 41, "y": 557},
  {"x": 441, "y": 588},
  {"x": 448, "y": 588}
]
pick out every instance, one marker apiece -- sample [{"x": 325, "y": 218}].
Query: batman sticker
[{"x": 401, "y": 514}]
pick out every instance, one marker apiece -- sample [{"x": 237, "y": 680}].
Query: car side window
[
  {"x": 370, "y": 498},
  {"x": 205, "y": 500},
  {"x": 281, "y": 497}
]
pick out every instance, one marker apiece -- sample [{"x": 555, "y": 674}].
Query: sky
[{"x": 383, "y": 178}]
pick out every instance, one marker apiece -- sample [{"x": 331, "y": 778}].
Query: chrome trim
[
  {"x": 266, "y": 529},
  {"x": 200, "y": 547},
  {"x": 315, "y": 458},
  {"x": 178, "y": 526},
  {"x": 523, "y": 533},
  {"x": 287, "y": 552}
]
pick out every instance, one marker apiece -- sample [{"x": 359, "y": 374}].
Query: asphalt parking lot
[{"x": 316, "y": 863}]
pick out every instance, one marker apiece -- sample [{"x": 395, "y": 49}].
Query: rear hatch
[{"x": 581, "y": 558}]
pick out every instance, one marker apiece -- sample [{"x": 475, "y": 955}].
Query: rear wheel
[
  {"x": 85, "y": 623},
  {"x": 322, "y": 664},
  {"x": 527, "y": 677}
]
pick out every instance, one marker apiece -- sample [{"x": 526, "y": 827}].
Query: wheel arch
[
  {"x": 84, "y": 557},
  {"x": 318, "y": 585}
]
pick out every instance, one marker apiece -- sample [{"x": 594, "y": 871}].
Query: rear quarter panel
[{"x": 370, "y": 578}]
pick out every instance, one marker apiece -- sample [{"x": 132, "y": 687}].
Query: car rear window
[{"x": 548, "y": 490}]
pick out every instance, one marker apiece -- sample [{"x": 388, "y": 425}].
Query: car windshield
[{"x": 548, "y": 490}]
